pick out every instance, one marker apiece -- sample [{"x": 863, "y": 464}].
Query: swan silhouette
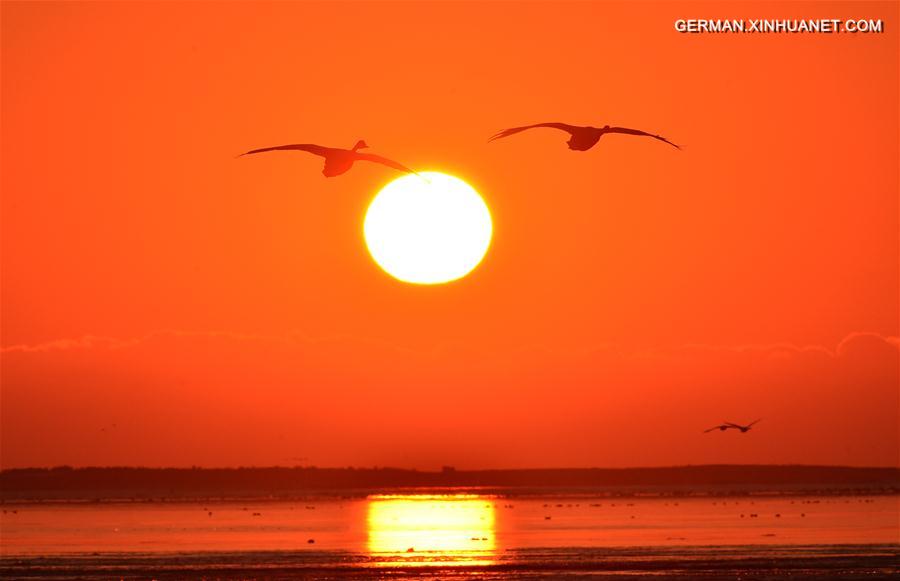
[
  {"x": 583, "y": 138},
  {"x": 337, "y": 161},
  {"x": 731, "y": 426}
]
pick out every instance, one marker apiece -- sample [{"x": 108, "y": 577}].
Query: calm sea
[{"x": 448, "y": 535}]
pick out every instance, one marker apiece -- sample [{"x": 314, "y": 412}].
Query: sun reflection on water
[{"x": 431, "y": 529}]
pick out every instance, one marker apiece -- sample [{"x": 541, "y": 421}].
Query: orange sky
[{"x": 224, "y": 311}]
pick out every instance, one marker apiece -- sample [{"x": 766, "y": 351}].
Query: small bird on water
[
  {"x": 582, "y": 138},
  {"x": 731, "y": 426},
  {"x": 337, "y": 161}
]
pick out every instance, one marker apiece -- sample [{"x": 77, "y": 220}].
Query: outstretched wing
[
  {"x": 311, "y": 148},
  {"x": 514, "y": 130},
  {"x": 383, "y": 161},
  {"x": 713, "y": 428},
  {"x": 753, "y": 422},
  {"x": 627, "y": 131}
]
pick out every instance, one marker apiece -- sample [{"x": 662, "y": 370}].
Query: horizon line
[{"x": 447, "y": 468}]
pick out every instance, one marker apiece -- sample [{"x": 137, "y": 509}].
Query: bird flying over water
[
  {"x": 337, "y": 161},
  {"x": 583, "y": 138},
  {"x": 731, "y": 426}
]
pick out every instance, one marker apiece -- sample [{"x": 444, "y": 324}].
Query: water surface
[{"x": 453, "y": 534}]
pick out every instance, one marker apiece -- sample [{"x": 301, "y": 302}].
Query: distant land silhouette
[{"x": 65, "y": 483}]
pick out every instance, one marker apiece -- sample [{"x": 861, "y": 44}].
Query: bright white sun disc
[{"x": 428, "y": 229}]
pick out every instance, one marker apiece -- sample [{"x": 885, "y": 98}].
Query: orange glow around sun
[{"x": 220, "y": 311}]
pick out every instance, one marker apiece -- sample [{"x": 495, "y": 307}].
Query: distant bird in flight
[
  {"x": 731, "y": 426},
  {"x": 583, "y": 138},
  {"x": 337, "y": 161}
]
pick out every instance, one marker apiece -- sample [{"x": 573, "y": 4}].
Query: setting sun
[{"x": 428, "y": 229}]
